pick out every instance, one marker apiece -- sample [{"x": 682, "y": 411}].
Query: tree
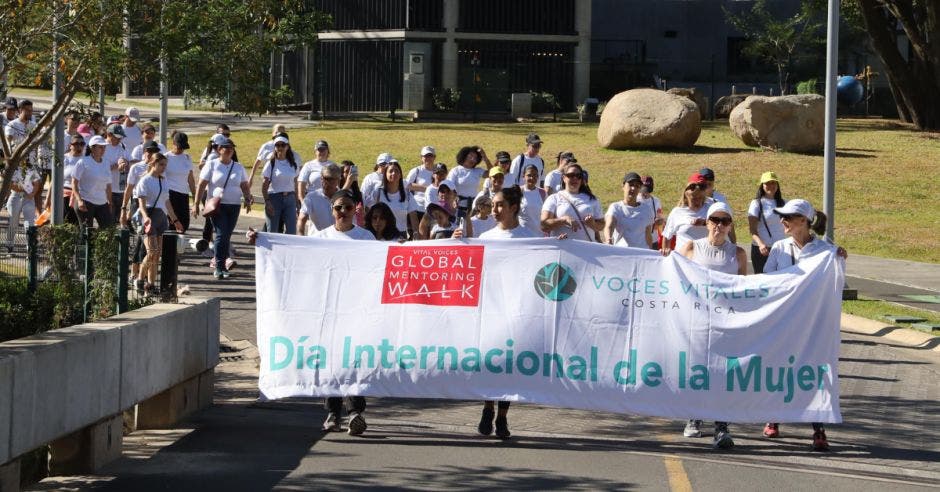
[
  {"x": 914, "y": 76},
  {"x": 778, "y": 40}
]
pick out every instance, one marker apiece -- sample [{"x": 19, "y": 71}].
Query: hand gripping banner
[{"x": 557, "y": 322}]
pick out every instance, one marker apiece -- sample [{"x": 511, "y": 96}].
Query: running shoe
[
  {"x": 486, "y": 422},
  {"x": 723, "y": 439},
  {"x": 502, "y": 427},
  {"x": 331, "y": 424},
  {"x": 357, "y": 424},
  {"x": 693, "y": 428},
  {"x": 226, "y": 274},
  {"x": 820, "y": 443},
  {"x": 772, "y": 430},
  {"x": 218, "y": 274}
]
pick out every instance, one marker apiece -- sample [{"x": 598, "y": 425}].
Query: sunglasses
[
  {"x": 725, "y": 221},
  {"x": 343, "y": 208},
  {"x": 573, "y": 176},
  {"x": 280, "y": 144},
  {"x": 696, "y": 187},
  {"x": 788, "y": 216}
]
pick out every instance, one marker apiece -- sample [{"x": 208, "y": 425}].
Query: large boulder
[
  {"x": 725, "y": 104},
  {"x": 695, "y": 96},
  {"x": 790, "y": 123},
  {"x": 641, "y": 118}
]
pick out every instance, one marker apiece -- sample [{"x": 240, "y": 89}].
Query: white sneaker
[{"x": 693, "y": 428}]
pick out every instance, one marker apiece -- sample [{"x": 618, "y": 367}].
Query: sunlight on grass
[{"x": 875, "y": 309}]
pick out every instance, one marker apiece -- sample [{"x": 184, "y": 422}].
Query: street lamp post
[{"x": 829, "y": 154}]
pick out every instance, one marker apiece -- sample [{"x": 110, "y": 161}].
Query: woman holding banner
[
  {"x": 799, "y": 221},
  {"x": 573, "y": 211},
  {"x": 716, "y": 252},
  {"x": 687, "y": 221}
]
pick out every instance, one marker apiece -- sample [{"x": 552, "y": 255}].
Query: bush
[
  {"x": 24, "y": 313},
  {"x": 544, "y": 102},
  {"x": 445, "y": 99},
  {"x": 806, "y": 87}
]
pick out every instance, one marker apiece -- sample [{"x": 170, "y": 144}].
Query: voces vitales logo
[{"x": 555, "y": 282}]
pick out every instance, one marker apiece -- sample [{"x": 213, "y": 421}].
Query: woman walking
[
  {"x": 278, "y": 188},
  {"x": 573, "y": 211},
  {"x": 154, "y": 205},
  {"x": 91, "y": 186},
  {"x": 762, "y": 220},
  {"x": 632, "y": 222}
]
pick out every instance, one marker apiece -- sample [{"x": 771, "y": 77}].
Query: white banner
[{"x": 565, "y": 323}]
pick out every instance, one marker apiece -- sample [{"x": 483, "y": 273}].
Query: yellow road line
[{"x": 678, "y": 480}]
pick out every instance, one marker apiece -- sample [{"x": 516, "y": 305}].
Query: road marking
[{"x": 678, "y": 480}]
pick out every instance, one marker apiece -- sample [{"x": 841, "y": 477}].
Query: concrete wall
[{"x": 59, "y": 382}]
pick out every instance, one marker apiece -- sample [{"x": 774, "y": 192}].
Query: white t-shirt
[
  {"x": 785, "y": 253},
  {"x": 133, "y": 136},
  {"x": 16, "y": 131},
  {"x": 178, "y": 169},
  {"x": 631, "y": 223},
  {"x": 530, "y": 210},
  {"x": 554, "y": 181},
  {"x": 422, "y": 177},
  {"x": 679, "y": 224},
  {"x": 656, "y": 208},
  {"x": 310, "y": 174},
  {"x": 282, "y": 176},
  {"x": 370, "y": 183},
  {"x": 480, "y": 226},
  {"x": 356, "y": 233},
  {"x": 430, "y": 195},
  {"x": 68, "y": 168},
  {"x": 719, "y": 197},
  {"x": 317, "y": 207},
  {"x": 265, "y": 149},
  {"x": 517, "y": 169},
  {"x": 138, "y": 153},
  {"x": 467, "y": 180},
  {"x": 215, "y": 172},
  {"x": 153, "y": 190},
  {"x": 769, "y": 220},
  {"x": 26, "y": 179},
  {"x": 500, "y": 233},
  {"x": 93, "y": 178},
  {"x": 134, "y": 174},
  {"x": 112, "y": 154},
  {"x": 401, "y": 209},
  {"x": 561, "y": 203}
]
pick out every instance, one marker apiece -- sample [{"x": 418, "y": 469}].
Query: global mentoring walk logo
[{"x": 555, "y": 282}]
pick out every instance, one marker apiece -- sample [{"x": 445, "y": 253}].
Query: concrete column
[
  {"x": 582, "y": 52},
  {"x": 165, "y": 409},
  {"x": 10, "y": 476},
  {"x": 449, "y": 56},
  {"x": 89, "y": 449}
]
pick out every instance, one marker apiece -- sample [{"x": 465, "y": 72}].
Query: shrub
[
  {"x": 806, "y": 87},
  {"x": 544, "y": 102},
  {"x": 445, "y": 99}
]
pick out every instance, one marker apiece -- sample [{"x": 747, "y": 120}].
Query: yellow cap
[
  {"x": 495, "y": 170},
  {"x": 769, "y": 176}
]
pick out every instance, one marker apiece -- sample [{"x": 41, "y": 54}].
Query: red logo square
[{"x": 433, "y": 275}]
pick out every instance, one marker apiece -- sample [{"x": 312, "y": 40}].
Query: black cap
[
  {"x": 503, "y": 156},
  {"x": 707, "y": 173},
  {"x": 532, "y": 139},
  {"x": 182, "y": 140},
  {"x": 648, "y": 183},
  {"x": 566, "y": 156},
  {"x": 152, "y": 146},
  {"x": 24, "y": 102},
  {"x": 321, "y": 144},
  {"x": 440, "y": 167},
  {"x": 631, "y": 177},
  {"x": 11, "y": 103}
]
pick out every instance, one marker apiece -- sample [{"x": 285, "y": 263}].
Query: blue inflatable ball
[{"x": 850, "y": 90}]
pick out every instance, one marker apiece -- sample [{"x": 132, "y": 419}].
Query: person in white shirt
[
  {"x": 440, "y": 174},
  {"x": 316, "y": 205},
  {"x": 380, "y": 221},
  {"x": 73, "y": 154},
  {"x": 419, "y": 178},
  {"x": 447, "y": 200},
  {"x": 507, "y": 204},
  {"x": 401, "y": 201},
  {"x": 18, "y": 128},
  {"x": 533, "y": 144},
  {"x": 132, "y": 133},
  {"x": 221, "y": 131},
  {"x": 309, "y": 178},
  {"x": 466, "y": 176},
  {"x": 137, "y": 153},
  {"x": 280, "y": 182},
  {"x": 656, "y": 207},
  {"x": 129, "y": 209},
  {"x": 628, "y": 222},
  {"x": 495, "y": 179},
  {"x": 373, "y": 180},
  {"x": 153, "y": 206},
  {"x": 264, "y": 151},
  {"x": 800, "y": 220},
  {"x": 712, "y": 193},
  {"x": 762, "y": 221},
  {"x": 24, "y": 185},
  {"x": 482, "y": 215},
  {"x": 344, "y": 228},
  {"x": 686, "y": 222},
  {"x": 503, "y": 160},
  {"x": 9, "y": 111},
  {"x": 116, "y": 156},
  {"x": 91, "y": 186},
  {"x": 533, "y": 198},
  {"x": 180, "y": 176},
  {"x": 574, "y": 211},
  {"x": 553, "y": 179},
  {"x": 226, "y": 179}
]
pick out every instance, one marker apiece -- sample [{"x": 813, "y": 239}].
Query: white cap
[
  {"x": 132, "y": 114},
  {"x": 219, "y": 139},
  {"x": 384, "y": 158},
  {"x": 427, "y": 150},
  {"x": 719, "y": 207},
  {"x": 797, "y": 206},
  {"x": 282, "y": 139},
  {"x": 97, "y": 140},
  {"x": 448, "y": 183}
]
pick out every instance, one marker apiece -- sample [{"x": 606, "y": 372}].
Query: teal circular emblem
[{"x": 555, "y": 282}]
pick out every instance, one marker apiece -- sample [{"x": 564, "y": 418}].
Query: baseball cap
[
  {"x": 117, "y": 131},
  {"x": 11, "y": 103},
  {"x": 432, "y": 206},
  {"x": 532, "y": 139},
  {"x": 503, "y": 156},
  {"x": 696, "y": 178},
  {"x": 321, "y": 144},
  {"x": 769, "y": 176},
  {"x": 707, "y": 173},
  {"x": 227, "y": 143},
  {"x": 440, "y": 167},
  {"x": 797, "y": 206},
  {"x": 719, "y": 207},
  {"x": 114, "y": 120},
  {"x": 77, "y": 139},
  {"x": 181, "y": 140},
  {"x": 631, "y": 177},
  {"x": 567, "y": 156},
  {"x": 494, "y": 171},
  {"x": 448, "y": 183},
  {"x": 84, "y": 130},
  {"x": 132, "y": 114},
  {"x": 648, "y": 183},
  {"x": 281, "y": 139},
  {"x": 153, "y": 146},
  {"x": 97, "y": 140},
  {"x": 427, "y": 150},
  {"x": 383, "y": 158},
  {"x": 218, "y": 139}
]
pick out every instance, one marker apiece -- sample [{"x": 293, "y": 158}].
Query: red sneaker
[
  {"x": 772, "y": 430},
  {"x": 819, "y": 441}
]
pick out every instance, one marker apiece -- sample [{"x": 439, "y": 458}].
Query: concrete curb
[{"x": 864, "y": 326}]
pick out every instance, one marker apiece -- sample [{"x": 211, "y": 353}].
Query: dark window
[
  {"x": 358, "y": 15},
  {"x": 360, "y": 75},
  {"x": 517, "y": 16}
]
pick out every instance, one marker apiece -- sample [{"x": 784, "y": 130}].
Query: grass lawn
[
  {"x": 875, "y": 309},
  {"x": 885, "y": 182}
]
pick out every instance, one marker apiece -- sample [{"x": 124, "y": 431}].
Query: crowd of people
[{"x": 116, "y": 172}]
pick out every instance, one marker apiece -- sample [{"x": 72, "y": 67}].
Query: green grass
[
  {"x": 885, "y": 178},
  {"x": 876, "y": 309}
]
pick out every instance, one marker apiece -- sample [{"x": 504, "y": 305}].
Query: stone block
[
  {"x": 10, "y": 476},
  {"x": 6, "y": 395},
  {"x": 89, "y": 449},
  {"x": 521, "y": 104},
  {"x": 167, "y": 408},
  {"x": 206, "y": 388}
]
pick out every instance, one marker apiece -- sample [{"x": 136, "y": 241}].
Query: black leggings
[
  {"x": 354, "y": 404},
  {"x": 757, "y": 260},
  {"x": 180, "y": 203},
  {"x": 96, "y": 213}
]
